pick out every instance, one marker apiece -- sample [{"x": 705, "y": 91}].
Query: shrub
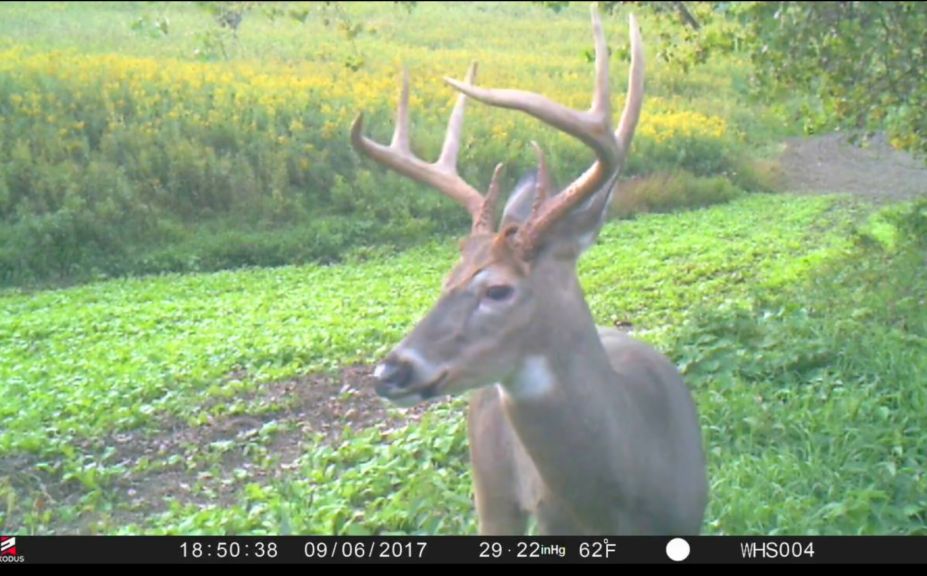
[{"x": 668, "y": 191}]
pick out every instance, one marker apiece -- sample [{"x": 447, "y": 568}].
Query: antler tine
[
  {"x": 601, "y": 96},
  {"x": 401, "y": 132},
  {"x": 586, "y": 126},
  {"x": 484, "y": 224},
  {"x": 592, "y": 127},
  {"x": 632, "y": 107},
  {"x": 542, "y": 186},
  {"x": 603, "y": 174},
  {"x": 448, "y": 158},
  {"x": 441, "y": 175}
]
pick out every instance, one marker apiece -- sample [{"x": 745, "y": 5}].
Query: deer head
[{"x": 493, "y": 308}]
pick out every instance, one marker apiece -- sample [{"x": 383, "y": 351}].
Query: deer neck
[{"x": 563, "y": 403}]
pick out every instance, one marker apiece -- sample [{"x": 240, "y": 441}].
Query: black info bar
[{"x": 19, "y": 549}]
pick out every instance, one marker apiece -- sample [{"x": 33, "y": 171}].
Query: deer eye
[{"x": 499, "y": 292}]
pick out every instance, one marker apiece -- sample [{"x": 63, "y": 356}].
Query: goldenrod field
[{"x": 141, "y": 150}]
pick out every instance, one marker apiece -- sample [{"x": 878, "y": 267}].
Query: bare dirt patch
[
  {"x": 180, "y": 468},
  {"x": 318, "y": 405},
  {"x": 832, "y": 164}
]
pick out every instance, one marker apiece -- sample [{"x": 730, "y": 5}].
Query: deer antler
[
  {"x": 592, "y": 127},
  {"x": 442, "y": 174}
]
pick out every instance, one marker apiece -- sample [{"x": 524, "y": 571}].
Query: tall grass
[{"x": 125, "y": 154}]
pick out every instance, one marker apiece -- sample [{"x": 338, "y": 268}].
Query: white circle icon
[{"x": 677, "y": 549}]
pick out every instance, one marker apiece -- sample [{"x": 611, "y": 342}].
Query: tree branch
[{"x": 686, "y": 16}]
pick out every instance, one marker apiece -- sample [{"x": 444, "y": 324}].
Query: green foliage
[
  {"x": 154, "y": 27},
  {"x": 817, "y": 400},
  {"x": 672, "y": 191},
  {"x": 864, "y": 62},
  {"x": 412, "y": 481},
  {"x": 114, "y": 165},
  {"x": 773, "y": 363},
  {"x": 911, "y": 223}
]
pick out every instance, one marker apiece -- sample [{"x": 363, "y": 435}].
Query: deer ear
[
  {"x": 581, "y": 226},
  {"x": 575, "y": 232},
  {"x": 518, "y": 206}
]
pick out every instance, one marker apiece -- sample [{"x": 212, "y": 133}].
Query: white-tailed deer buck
[{"x": 590, "y": 431}]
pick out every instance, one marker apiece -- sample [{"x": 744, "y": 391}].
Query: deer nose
[{"x": 394, "y": 372}]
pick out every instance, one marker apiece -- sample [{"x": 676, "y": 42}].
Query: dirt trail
[{"x": 829, "y": 163}]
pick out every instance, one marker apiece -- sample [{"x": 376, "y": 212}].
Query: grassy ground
[{"x": 197, "y": 403}]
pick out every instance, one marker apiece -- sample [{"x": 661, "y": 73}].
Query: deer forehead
[{"x": 476, "y": 269}]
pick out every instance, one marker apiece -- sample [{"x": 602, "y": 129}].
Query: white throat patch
[{"x": 533, "y": 381}]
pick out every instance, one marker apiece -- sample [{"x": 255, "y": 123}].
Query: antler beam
[{"x": 441, "y": 174}]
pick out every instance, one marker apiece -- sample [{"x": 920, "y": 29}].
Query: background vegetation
[
  {"x": 127, "y": 153},
  {"x": 146, "y": 152}
]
